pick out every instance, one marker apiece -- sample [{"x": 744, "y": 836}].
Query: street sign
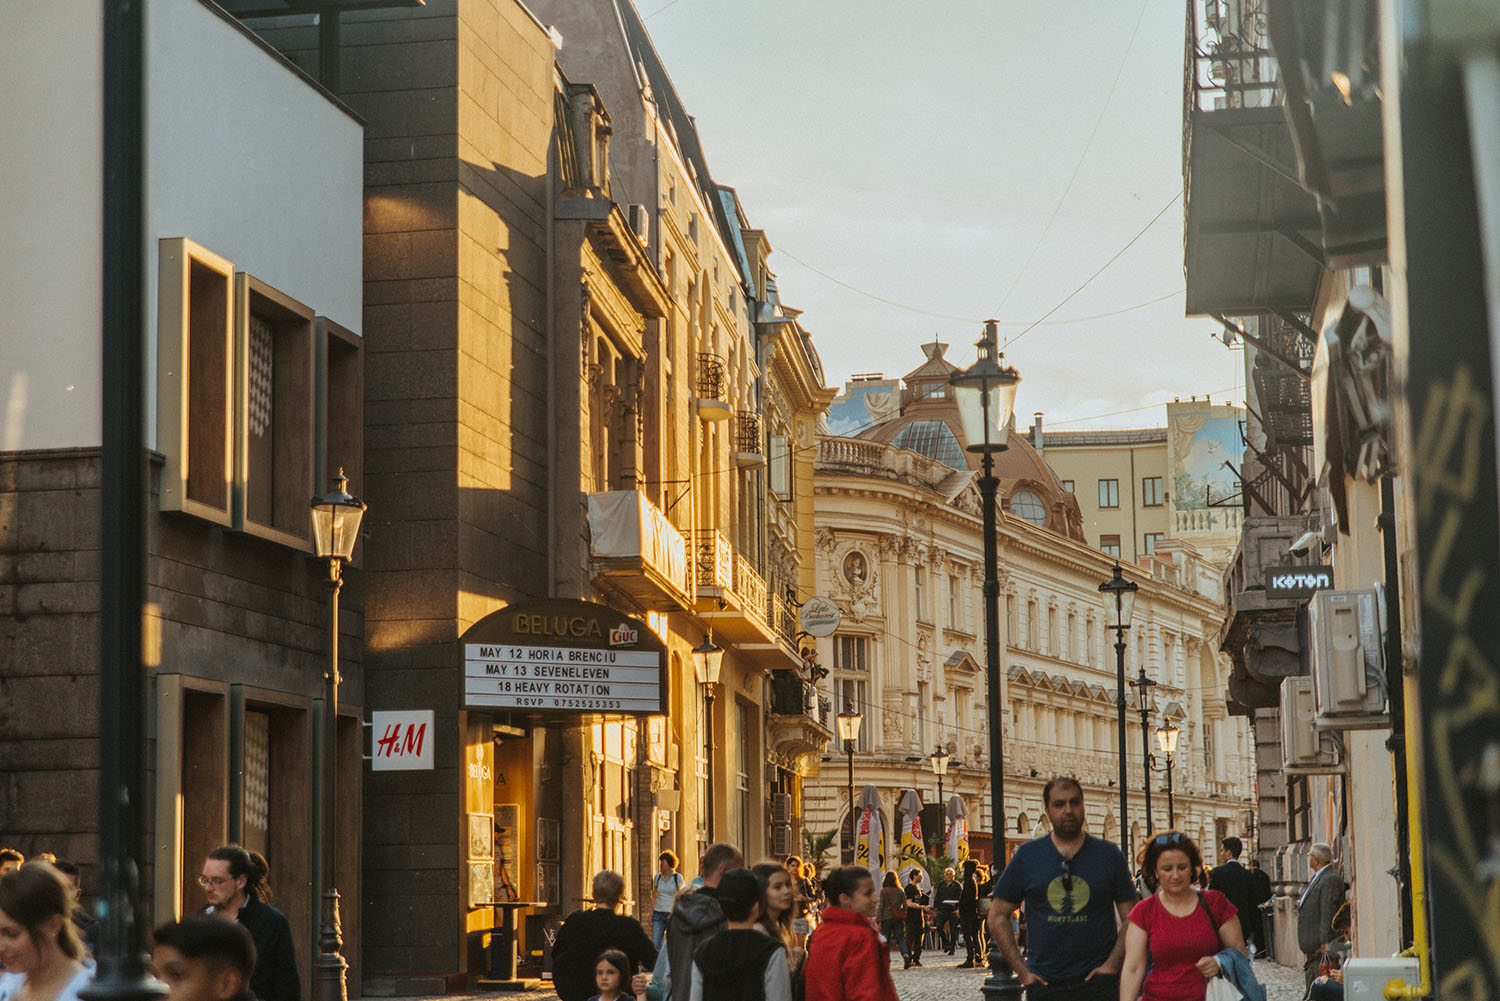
[
  {"x": 560, "y": 655},
  {"x": 401, "y": 741},
  {"x": 1297, "y": 582},
  {"x": 819, "y": 617}
]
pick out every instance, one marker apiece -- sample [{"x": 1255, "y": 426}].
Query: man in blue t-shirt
[{"x": 1073, "y": 886}]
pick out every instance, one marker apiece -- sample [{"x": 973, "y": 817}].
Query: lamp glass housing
[
  {"x": 708, "y": 659},
  {"x": 1117, "y": 616},
  {"x": 986, "y": 395},
  {"x": 335, "y": 522},
  {"x": 849, "y": 722},
  {"x": 939, "y": 763},
  {"x": 1166, "y": 737}
]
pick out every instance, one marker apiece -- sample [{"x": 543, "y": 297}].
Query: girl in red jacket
[{"x": 846, "y": 961}]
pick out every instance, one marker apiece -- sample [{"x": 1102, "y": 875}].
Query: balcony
[
  {"x": 1253, "y": 232},
  {"x": 799, "y": 719},
  {"x": 1260, "y": 634},
  {"x": 734, "y": 598},
  {"x": 749, "y": 442},
  {"x": 634, "y": 550},
  {"x": 713, "y": 388}
]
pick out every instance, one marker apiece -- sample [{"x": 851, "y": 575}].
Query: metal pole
[
  {"x": 331, "y": 965},
  {"x": 1002, "y": 981},
  {"x": 1120, "y": 707},
  {"x": 122, "y": 970},
  {"x": 1171, "y": 814},
  {"x": 853, "y": 832},
  {"x": 708, "y": 727},
  {"x": 1146, "y": 768}
]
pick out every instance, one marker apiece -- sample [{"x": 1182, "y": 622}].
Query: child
[
  {"x": 742, "y": 961},
  {"x": 845, "y": 958},
  {"x": 612, "y": 976}
]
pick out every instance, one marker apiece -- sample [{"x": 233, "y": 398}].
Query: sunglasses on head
[{"x": 1169, "y": 839}]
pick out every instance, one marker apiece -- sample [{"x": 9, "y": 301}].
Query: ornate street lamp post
[
  {"x": 1119, "y": 601},
  {"x": 849, "y": 722},
  {"x": 708, "y": 659},
  {"x": 335, "y": 526},
  {"x": 1143, "y": 686},
  {"x": 1166, "y": 739},
  {"x": 986, "y": 396}
]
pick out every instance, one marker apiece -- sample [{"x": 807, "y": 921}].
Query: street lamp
[
  {"x": 849, "y": 722},
  {"x": 335, "y": 527},
  {"x": 986, "y": 396},
  {"x": 1143, "y": 686},
  {"x": 708, "y": 659},
  {"x": 939, "y": 759},
  {"x": 1119, "y": 600},
  {"x": 1166, "y": 739}
]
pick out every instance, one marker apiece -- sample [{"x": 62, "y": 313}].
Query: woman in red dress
[{"x": 1179, "y": 927}]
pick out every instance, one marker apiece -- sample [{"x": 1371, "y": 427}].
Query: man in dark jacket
[
  {"x": 1238, "y": 884},
  {"x": 587, "y": 933},
  {"x": 234, "y": 882},
  {"x": 1316, "y": 907},
  {"x": 946, "y": 898},
  {"x": 968, "y": 913}
]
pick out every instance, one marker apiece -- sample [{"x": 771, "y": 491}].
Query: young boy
[
  {"x": 741, "y": 962},
  {"x": 846, "y": 961},
  {"x": 204, "y": 958}
]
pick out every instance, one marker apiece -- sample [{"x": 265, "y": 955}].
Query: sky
[{"x": 920, "y": 167}]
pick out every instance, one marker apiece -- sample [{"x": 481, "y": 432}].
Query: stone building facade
[{"x": 900, "y": 552}]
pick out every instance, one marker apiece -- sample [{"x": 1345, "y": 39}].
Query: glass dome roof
[{"x": 933, "y": 439}]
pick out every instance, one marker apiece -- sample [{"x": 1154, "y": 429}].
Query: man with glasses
[
  {"x": 1077, "y": 893},
  {"x": 234, "y": 882}
]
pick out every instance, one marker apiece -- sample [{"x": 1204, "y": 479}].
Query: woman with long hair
[
  {"x": 39, "y": 944},
  {"x": 892, "y": 916},
  {"x": 778, "y": 907},
  {"x": 1179, "y": 928}
]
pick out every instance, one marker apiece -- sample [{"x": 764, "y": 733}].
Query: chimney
[{"x": 1036, "y": 432}]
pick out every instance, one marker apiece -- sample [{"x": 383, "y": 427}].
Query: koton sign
[
  {"x": 1297, "y": 582},
  {"x": 564, "y": 656},
  {"x": 401, "y": 741}
]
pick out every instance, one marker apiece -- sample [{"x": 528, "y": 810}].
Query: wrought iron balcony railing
[{"x": 713, "y": 382}]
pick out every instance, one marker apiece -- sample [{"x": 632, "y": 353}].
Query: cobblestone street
[{"x": 940, "y": 979}]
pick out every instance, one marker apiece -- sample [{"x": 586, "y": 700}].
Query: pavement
[{"x": 940, "y": 979}]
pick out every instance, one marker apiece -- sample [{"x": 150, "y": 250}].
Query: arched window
[{"x": 1026, "y": 505}]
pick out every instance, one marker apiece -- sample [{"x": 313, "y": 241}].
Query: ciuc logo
[{"x": 623, "y": 635}]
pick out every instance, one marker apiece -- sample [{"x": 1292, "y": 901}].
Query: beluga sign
[{"x": 564, "y": 656}]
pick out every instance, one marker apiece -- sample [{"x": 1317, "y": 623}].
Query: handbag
[{"x": 1220, "y": 989}]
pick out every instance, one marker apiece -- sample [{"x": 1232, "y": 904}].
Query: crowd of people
[{"x": 1064, "y": 914}]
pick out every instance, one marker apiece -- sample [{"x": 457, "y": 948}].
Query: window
[
  {"x": 195, "y": 383},
  {"x": 1068, "y": 485},
  {"x": 1071, "y": 642},
  {"x": 274, "y": 412},
  {"x": 1109, "y": 493},
  {"x": 742, "y": 764},
  {"x": 1031, "y": 625},
  {"x": 1151, "y": 539},
  {"x": 1110, "y": 544},
  {"x": 849, "y": 653},
  {"x": 1052, "y": 647},
  {"x": 1011, "y": 623},
  {"x": 1029, "y": 507},
  {"x": 919, "y": 607},
  {"x": 781, "y": 466},
  {"x": 955, "y": 621},
  {"x": 700, "y": 762},
  {"x": 1151, "y": 491}
]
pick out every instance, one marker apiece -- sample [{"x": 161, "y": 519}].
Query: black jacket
[
  {"x": 580, "y": 940},
  {"x": 1238, "y": 884},
  {"x": 733, "y": 964},
  {"x": 968, "y": 902},
  {"x": 275, "y": 977},
  {"x": 948, "y": 892}
]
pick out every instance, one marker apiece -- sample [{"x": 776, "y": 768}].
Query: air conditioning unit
[
  {"x": 639, "y": 221},
  {"x": 781, "y": 840},
  {"x": 1348, "y": 659},
  {"x": 1304, "y": 750},
  {"x": 781, "y": 809}
]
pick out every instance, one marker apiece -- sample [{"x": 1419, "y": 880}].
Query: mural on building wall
[{"x": 1205, "y": 452}]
